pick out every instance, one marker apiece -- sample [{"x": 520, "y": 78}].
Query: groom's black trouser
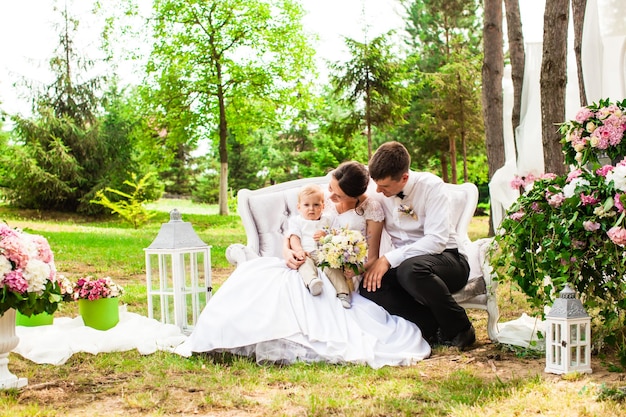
[{"x": 420, "y": 290}]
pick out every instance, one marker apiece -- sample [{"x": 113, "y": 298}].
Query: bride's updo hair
[{"x": 353, "y": 178}]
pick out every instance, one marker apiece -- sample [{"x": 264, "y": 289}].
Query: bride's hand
[{"x": 292, "y": 259}]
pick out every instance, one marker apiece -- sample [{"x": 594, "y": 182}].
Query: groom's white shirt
[{"x": 431, "y": 232}]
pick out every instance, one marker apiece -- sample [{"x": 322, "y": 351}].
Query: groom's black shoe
[{"x": 462, "y": 340}]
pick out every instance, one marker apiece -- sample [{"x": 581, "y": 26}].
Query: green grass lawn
[{"x": 489, "y": 380}]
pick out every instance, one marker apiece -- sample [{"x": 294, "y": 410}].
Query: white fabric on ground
[
  {"x": 523, "y": 332},
  {"x": 264, "y": 310},
  {"x": 55, "y": 344}
]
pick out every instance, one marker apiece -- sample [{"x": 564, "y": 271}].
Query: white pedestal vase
[{"x": 8, "y": 342}]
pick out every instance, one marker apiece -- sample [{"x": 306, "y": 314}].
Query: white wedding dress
[{"x": 263, "y": 310}]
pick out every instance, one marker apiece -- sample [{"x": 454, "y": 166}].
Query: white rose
[
  {"x": 618, "y": 176},
  {"x": 579, "y": 157},
  {"x": 570, "y": 189},
  {"x": 591, "y": 126}
]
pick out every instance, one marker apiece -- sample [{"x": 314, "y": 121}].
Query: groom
[{"x": 416, "y": 279}]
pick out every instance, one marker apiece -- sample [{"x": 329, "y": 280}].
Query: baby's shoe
[
  {"x": 345, "y": 300},
  {"x": 315, "y": 286}
]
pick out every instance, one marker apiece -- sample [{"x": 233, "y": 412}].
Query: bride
[{"x": 262, "y": 310}]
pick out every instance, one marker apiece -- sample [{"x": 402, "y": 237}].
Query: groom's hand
[{"x": 374, "y": 275}]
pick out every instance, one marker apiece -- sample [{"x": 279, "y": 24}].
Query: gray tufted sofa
[{"x": 264, "y": 214}]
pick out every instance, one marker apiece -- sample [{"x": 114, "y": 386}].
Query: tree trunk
[
  {"x": 223, "y": 149},
  {"x": 553, "y": 81},
  {"x": 578, "y": 16},
  {"x": 518, "y": 58},
  {"x": 462, "y": 132},
  {"x": 452, "y": 144},
  {"x": 493, "y": 67},
  {"x": 444, "y": 167}
]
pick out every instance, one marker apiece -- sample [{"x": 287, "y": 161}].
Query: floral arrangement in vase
[
  {"x": 28, "y": 277},
  {"x": 597, "y": 131},
  {"x": 90, "y": 288},
  {"x": 342, "y": 248}
]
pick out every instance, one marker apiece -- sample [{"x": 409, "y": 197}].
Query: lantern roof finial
[
  {"x": 175, "y": 216},
  {"x": 567, "y": 292},
  {"x": 567, "y": 305}
]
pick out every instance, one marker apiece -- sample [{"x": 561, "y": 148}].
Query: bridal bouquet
[
  {"x": 342, "y": 248},
  {"x": 89, "y": 288},
  {"x": 597, "y": 131},
  {"x": 28, "y": 276}
]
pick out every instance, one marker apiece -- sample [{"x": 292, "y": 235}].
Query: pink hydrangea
[
  {"x": 617, "y": 235},
  {"x": 15, "y": 281},
  {"x": 44, "y": 252},
  {"x": 583, "y": 115},
  {"x": 15, "y": 249}
]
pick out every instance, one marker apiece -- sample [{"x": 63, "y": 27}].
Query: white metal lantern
[
  {"x": 568, "y": 339},
  {"x": 178, "y": 274}
]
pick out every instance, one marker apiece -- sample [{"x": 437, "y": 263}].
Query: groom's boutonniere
[{"x": 408, "y": 210}]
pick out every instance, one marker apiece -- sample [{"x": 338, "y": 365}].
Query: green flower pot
[
  {"x": 41, "y": 319},
  {"x": 101, "y": 314}
]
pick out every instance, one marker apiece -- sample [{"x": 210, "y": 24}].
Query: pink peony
[
  {"x": 517, "y": 182},
  {"x": 604, "y": 170},
  {"x": 517, "y": 216},
  {"x": 617, "y": 235},
  {"x": 555, "y": 200},
  {"x": 607, "y": 135},
  {"x": 588, "y": 200},
  {"x": 591, "y": 226},
  {"x": 574, "y": 174},
  {"x": 618, "y": 202}
]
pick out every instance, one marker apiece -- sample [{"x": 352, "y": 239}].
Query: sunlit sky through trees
[{"x": 29, "y": 38}]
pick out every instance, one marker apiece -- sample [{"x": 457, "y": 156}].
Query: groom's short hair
[{"x": 391, "y": 160}]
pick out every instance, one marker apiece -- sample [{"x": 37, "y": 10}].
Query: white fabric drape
[{"x": 604, "y": 71}]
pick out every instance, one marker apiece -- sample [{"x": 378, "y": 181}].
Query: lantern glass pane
[
  {"x": 573, "y": 356},
  {"x": 556, "y": 332},
  {"x": 573, "y": 333},
  {"x": 583, "y": 355},
  {"x": 583, "y": 332},
  {"x": 556, "y": 355}
]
